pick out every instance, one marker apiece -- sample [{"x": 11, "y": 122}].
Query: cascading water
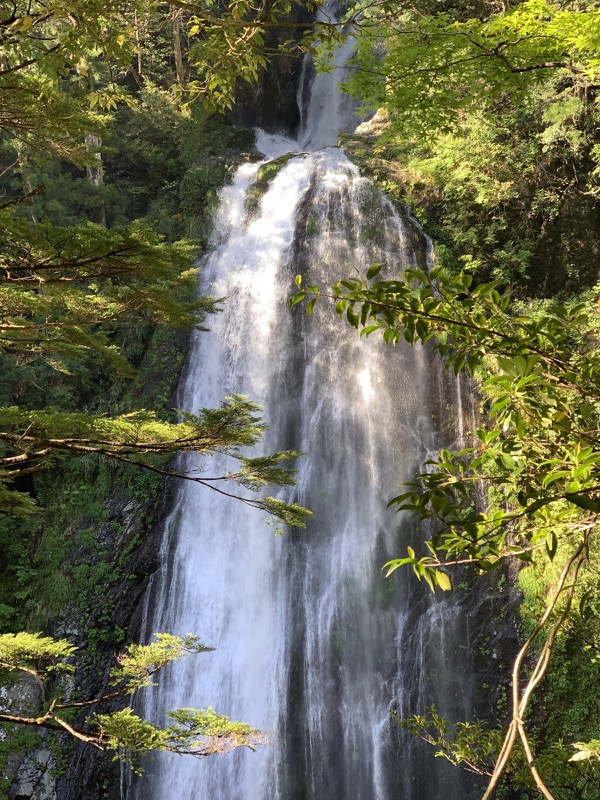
[{"x": 313, "y": 645}]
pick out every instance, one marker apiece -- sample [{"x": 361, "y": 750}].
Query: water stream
[{"x": 313, "y": 645}]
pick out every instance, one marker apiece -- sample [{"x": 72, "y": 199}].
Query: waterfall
[{"x": 313, "y": 645}]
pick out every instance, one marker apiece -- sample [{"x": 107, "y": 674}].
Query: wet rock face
[
  {"x": 24, "y": 696},
  {"x": 30, "y": 773},
  {"x": 89, "y": 774},
  {"x": 34, "y": 779},
  {"x": 272, "y": 103}
]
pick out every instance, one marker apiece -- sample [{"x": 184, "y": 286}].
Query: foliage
[
  {"x": 430, "y": 68},
  {"x": 565, "y": 707},
  {"x": 97, "y": 44},
  {"x": 168, "y": 160},
  {"x": 91, "y": 277},
  {"x": 475, "y": 746},
  {"x": 84, "y": 87},
  {"x": 197, "y": 732},
  {"x": 541, "y": 395},
  {"x": 19, "y": 651},
  {"x": 233, "y": 45},
  {"x": 586, "y": 750},
  {"x": 68, "y": 292},
  {"x": 510, "y": 194},
  {"x": 500, "y": 166},
  {"x": 491, "y": 131},
  {"x": 138, "y": 663}
]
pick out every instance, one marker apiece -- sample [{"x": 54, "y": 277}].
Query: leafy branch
[
  {"x": 38, "y": 437},
  {"x": 541, "y": 450},
  {"x": 196, "y": 732}
]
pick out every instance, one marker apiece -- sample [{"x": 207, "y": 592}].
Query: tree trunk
[
  {"x": 138, "y": 48},
  {"x": 176, "y": 18},
  {"x": 95, "y": 175},
  {"x": 25, "y": 182}
]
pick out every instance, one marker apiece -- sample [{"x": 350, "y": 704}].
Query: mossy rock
[
  {"x": 21, "y": 695},
  {"x": 266, "y": 173},
  {"x": 392, "y": 176}
]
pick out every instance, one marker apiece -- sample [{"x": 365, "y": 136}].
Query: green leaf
[
  {"x": 297, "y": 298},
  {"x": 508, "y": 462},
  {"x": 369, "y": 329},
  {"x": 551, "y": 544},
  {"x": 430, "y": 577},
  {"x": 374, "y": 270},
  {"x": 536, "y": 504},
  {"x": 584, "y": 501},
  {"x": 443, "y": 580},
  {"x": 581, "y": 755}
]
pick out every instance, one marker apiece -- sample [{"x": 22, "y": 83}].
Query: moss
[
  {"x": 254, "y": 196},
  {"x": 198, "y": 180},
  {"x": 312, "y": 226},
  {"x": 266, "y": 173}
]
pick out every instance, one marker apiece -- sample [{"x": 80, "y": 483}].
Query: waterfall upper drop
[
  {"x": 313, "y": 645},
  {"x": 329, "y": 112}
]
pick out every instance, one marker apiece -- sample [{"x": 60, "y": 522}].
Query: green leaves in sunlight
[
  {"x": 528, "y": 487},
  {"x": 428, "y": 66}
]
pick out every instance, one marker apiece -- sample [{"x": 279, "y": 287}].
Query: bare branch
[{"x": 521, "y": 698}]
